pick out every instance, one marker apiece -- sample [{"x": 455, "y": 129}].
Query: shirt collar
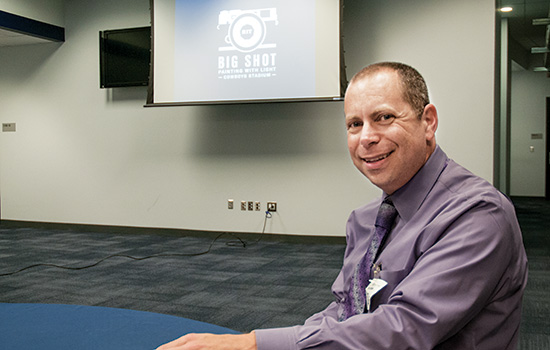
[{"x": 408, "y": 198}]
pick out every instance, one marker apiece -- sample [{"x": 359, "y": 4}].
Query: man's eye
[
  {"x": 385, "y": 118},
  {"x": 353, "y": 125}
]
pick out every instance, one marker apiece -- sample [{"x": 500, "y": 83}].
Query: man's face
[{"x": 387, "y": 141}]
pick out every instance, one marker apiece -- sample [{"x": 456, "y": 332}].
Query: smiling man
[
  {"x": 436, "y": 263},
  {"x": 389, "y": 138}
]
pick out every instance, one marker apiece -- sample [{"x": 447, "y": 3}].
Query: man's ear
[{"x": 430, "y": 118}]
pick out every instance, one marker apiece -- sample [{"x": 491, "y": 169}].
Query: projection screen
[{"x": 236, "y": 51}]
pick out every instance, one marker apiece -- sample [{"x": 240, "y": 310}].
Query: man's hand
[{"x": 212, "y": 342}]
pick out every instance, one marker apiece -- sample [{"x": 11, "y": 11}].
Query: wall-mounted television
[{"x": 124, "y": 57}]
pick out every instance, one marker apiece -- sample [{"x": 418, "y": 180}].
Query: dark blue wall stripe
[{"x": 31, "y": 27}]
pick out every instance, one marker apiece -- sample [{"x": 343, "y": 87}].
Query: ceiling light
[
  {"x": 540, "y": 50},
  {"x": 506, "y": 9}
]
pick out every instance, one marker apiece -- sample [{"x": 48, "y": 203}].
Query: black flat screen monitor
[{"x": 125, "y": 57}]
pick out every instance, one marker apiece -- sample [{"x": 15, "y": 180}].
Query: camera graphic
[{"x": 247, "y": 28}]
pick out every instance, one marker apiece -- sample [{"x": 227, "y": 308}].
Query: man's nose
[{"x": 369, "y": 135}]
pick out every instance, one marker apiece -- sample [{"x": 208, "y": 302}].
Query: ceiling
[{"x": 520, "y": 26}]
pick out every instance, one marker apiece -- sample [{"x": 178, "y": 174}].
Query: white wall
[
  {"x": 48, "y": 11},
  {"x": 86, "y": 155},
  {"x": 452, "y": 44},
  {"x": 528, "y": 107}
]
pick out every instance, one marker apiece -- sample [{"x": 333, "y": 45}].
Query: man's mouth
[{"x": 377, "y": 159}]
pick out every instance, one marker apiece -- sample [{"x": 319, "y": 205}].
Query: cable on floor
[{"x": 239, "y": 242}]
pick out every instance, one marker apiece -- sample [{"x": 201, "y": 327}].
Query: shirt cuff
[{"x": 277, "y": 339}]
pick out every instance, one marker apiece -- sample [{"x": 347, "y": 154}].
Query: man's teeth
[{"x": 377, "y": 159}]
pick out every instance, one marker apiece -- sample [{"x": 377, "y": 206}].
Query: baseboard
[{"x": 290, "y": 238}]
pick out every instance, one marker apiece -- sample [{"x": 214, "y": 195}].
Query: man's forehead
[
  {"x": 382, "y": 76},
  {"x": 376, "y": 82}
]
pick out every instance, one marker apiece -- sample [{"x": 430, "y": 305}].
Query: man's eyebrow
[
  {"x": 385, "y": 110},
  {"x": 351, "y": 117}
]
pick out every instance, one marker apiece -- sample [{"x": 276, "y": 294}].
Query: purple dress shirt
[{"x": 454, "y": 262}]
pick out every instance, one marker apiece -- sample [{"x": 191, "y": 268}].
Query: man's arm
[{"x": 212, "y": 342}]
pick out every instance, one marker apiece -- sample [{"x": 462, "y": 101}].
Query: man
[{"x": 450, "y": 273}]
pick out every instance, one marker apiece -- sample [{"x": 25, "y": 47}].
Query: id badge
[{"x": 375, "y": 285}]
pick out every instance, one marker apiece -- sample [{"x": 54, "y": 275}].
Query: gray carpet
[
  {"x": 262, "y": 285},
  {"x": 534, "y": 218},
  {"x": 269, "y": 283}
]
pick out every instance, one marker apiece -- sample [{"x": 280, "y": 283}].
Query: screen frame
[{"x": 343, "y": 82}]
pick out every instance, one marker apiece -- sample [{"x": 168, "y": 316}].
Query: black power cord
[{"x": 242, "y": 243}]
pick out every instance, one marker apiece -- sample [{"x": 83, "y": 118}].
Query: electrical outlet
[
  {"x": 250, "y": 205},
  {"x": 243, "y": 205},
  {"x": 257, "y": 206},
  {"x": 230, "y": 204},
  {"x": 7, "y": 127},
  {"x": 271, "y": 206}
]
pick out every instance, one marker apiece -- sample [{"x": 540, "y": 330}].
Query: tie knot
[{"x": 386, "y": 214}]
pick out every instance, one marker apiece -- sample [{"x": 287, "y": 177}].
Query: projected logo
[
  {"x": 247, "y": 28},
  {"x": 247, "y": 55}
]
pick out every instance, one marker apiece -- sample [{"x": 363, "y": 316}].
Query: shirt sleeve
[
  {"x": 454, "y": 277},
  {"x": 330, "y": 312}
]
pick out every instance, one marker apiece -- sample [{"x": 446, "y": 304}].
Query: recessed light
[{"x": 506, "y": 9}]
